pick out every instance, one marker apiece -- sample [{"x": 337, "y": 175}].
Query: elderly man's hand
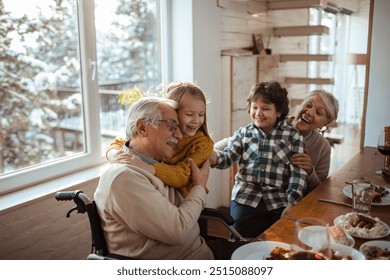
[{"x": 200, "y": 175}]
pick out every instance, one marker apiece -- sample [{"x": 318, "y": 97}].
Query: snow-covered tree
[
  {"x": 39, "y": 56},
  {"x": 129, "y": 51}
]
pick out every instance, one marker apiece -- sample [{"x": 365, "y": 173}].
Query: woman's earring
[{"x": 323, "y": 129}]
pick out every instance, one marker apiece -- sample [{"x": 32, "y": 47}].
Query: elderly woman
[{"x": 317, "y": 110}]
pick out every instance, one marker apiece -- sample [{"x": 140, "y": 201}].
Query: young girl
[
  {"x": 266, "y": 184},
  {"x": 196, "y": 142}
]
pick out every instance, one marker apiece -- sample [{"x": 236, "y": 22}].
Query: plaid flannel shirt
[{"x": 264, "y": 167}]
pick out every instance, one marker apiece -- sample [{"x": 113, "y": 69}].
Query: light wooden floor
[{"x": 350, "y": 146}]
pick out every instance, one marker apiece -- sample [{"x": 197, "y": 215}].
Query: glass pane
[
  {"x": 128, "y": 51},
  {"x": 40, "y": 97},
  {"x": 324, "y": 44}
]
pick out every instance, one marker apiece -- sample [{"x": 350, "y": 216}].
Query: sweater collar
[{"x": 146, "y": 159}]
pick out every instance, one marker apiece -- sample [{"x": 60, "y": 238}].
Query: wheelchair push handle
[
  {"x": 61, "y": 196},
  {"x": 81, "y": 200}
]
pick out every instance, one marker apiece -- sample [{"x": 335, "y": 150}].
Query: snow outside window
[{"x": 63, "y": 65}]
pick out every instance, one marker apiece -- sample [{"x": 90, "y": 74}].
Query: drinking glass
[
  {"x": 362, "y": 193},
  {"x": 384, "y": 146},
  {"x": 310, "y": 240}
]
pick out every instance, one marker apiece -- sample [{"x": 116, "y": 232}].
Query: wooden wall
[
  {"x": 240, "y": 19},
  {"x": 239, "y": 22},
  {"x": 39, "y": 230}
]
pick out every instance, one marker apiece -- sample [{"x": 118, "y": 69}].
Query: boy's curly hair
[{"x": 272, "y": 93}]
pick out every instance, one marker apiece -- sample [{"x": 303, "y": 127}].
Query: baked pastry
[{"x": 339, "y": 235}]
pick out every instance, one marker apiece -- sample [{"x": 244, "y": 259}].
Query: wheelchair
[{"x": 98, "y": 242}]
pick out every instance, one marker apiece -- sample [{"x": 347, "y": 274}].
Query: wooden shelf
[
  {"x": 343, "y": 6},
  {"x": 297, "y": 4},
  {"x": 236, "y": 52},
  {"x": 305, "y": 57},
  {"x": 300, "y": 30},
  {"x": 317, "y": 81}
]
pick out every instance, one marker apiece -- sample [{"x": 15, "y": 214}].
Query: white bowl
[
  {"x": 382, "y": 244},
  {"x": 344, "y": 251}
]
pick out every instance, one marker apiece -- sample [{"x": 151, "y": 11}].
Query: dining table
[{"x": 364, "y": 164}]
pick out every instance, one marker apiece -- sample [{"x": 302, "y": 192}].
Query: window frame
[
  {"x": 91, "y": 157},
  {"x": 89, "y": 87}
]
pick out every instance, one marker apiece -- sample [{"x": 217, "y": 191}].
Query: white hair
[{"x": 147, "y": 109}]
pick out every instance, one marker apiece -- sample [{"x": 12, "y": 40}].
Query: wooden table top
[{"x": 365, "y": 163}]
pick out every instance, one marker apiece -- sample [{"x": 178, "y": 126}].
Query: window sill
[{"x": 77, "y": 179}]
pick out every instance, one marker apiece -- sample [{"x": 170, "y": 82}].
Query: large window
[
  {"x": 63, "y": 64},
  {"x": 325, "y": 44},
  {"x": 128, "y": 55},
  {"x": 347, "y": 88}
]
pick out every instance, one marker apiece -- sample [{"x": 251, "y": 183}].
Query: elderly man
[{"x": 141, "y": 217}]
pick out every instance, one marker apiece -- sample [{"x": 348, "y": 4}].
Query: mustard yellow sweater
[{"x": 177, "y": 172}]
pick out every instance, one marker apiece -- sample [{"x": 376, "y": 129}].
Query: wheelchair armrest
[
  {"x": 213, "y": 213},
  {"x": 224, "y": 217}
]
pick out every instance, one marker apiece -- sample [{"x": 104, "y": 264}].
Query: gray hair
[{"x": 147, "y": 109}]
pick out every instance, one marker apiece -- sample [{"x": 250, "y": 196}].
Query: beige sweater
[
  {"x": 319, "y": 150},
  {"x": 144, "y": 219}
]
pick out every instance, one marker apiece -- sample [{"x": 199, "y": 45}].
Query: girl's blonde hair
[{"x": 178, "y": 90}]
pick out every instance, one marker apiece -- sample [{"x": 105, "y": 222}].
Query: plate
[
  {"x": 257, "y": 250},
  {"x": 262, "y": 249},
  {"x": 344, "y": 251},
  {"x": 379, "y": 230},
  {"x": 384, "y": 245},
  {"x": 347, "y": 190}
]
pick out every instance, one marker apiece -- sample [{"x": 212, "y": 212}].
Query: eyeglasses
[{"x": 173, "y": 126}]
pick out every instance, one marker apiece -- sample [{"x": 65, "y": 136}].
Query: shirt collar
[
  {"x": 146, "y": 159},
  {"x": 281, "y": 124}
]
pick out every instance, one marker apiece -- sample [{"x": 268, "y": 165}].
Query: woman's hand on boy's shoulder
[{"x": 302, "y": 160}]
